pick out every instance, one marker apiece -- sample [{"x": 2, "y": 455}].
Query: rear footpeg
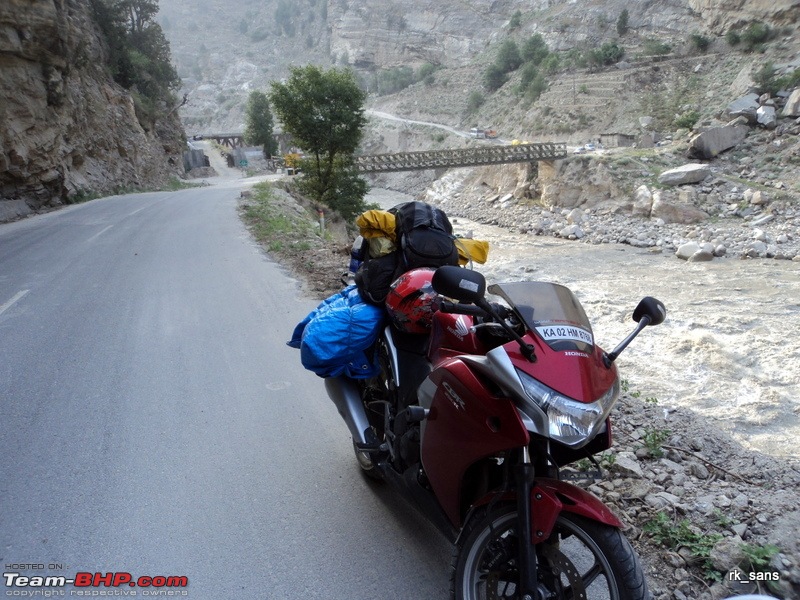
[{"x": 372, "y": 448}]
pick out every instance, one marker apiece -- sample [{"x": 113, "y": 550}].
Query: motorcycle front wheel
[{"x": 581, "y": 559}]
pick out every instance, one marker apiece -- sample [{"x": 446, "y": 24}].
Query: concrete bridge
[{"x": 462, "y": 157}]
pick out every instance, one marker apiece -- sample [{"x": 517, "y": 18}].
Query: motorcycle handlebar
[{"x": 462, "y": 309}]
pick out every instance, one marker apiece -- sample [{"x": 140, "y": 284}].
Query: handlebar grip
[{"x": 461, "y": 309}]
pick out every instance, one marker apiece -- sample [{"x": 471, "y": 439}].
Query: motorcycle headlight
[{"x": 570, "y": 422}]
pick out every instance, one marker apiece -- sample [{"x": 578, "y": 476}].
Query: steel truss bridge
[
  {"x": 485, "y": 154},
  {"x": 462, "y": 157},
  {"x": 231, "y": 140}
]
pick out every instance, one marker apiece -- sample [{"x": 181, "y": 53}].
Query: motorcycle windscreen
[{"x": 552, "y": 311}]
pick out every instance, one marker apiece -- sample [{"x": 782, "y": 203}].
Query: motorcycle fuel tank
[{"x": 451, "y": 335}]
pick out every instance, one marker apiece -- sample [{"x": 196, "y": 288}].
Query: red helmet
[{"x": 411, "y": 301}]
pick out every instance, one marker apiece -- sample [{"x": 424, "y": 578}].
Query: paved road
[{"x": 154, "y": 422}]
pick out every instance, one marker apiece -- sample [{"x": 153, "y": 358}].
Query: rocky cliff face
[
  {"x": 389, "y": 33},
  {"x": 721, "y": 15},
  {"x": 66, "y": 129}
]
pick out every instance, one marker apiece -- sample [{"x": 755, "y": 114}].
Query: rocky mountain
[
  {"x": 224, "y": 49},
  {"x": 68, "y": 131}
]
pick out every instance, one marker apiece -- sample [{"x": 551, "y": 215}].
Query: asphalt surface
[{"x": 154, "y": 422}]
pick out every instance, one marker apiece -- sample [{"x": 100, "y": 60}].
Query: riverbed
[{"x": 729, "y": 349}]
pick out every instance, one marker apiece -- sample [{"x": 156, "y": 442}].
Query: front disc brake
[
  {"x": 501, "y": 569},
  {"x": 561, "y": 565},
  {"x": 493, "y": 582}
]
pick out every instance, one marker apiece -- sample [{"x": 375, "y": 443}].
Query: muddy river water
[{"x": 729, "y": 349}]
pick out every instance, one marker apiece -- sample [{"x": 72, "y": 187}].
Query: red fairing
[
  {"x": 451, "y": 335},
  {"x": 466, "y": 423},
  {"x": 550, "y": 496},
  {"x": 577, "y": 375}
]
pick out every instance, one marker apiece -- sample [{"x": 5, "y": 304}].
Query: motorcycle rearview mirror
[
  {"x": 461, "y": 284},
  {"x": 652, "y": 308},
  {"x": 649, "y": 311}
]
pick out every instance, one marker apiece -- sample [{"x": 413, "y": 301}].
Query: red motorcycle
[{"x": 476, "y": 408}]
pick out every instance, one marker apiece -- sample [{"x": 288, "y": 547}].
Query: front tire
[{"x": 581, "y": 559}]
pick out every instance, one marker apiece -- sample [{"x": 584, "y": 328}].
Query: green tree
[
  {"x": 324, "y": 112},
  {"x": 756, "y": 34},
  {"x": 654, "y": 47},
  {"x": 622, "y": 22},
  {"x": 140, "y": 14},
  {"x": 536, "y": 88},
  {"x": 608, "y": 54},
  {"x": 258, "y": 129},
  {"x": 494, "y": 78},
  {"x": 343, "y": 191},
  {"x": 534, "y": 50},
  {"x": 426, "y": 73},
  {"x": 700, "y": 42},
  {"x": 395, "y": 79},
  {"x": 474, "y": 101},
  {"x": 516, "y": 20},
  {"x": 528, "y": 74},
  {"x": 551, "y": 64},
  {"x": 733, "y": 38},
  {"x": 139, "y": 53},
  {"x": 575, "y": 58},
  {"x": 687, "y": 119},
  {"x": 508, "y": 57}
]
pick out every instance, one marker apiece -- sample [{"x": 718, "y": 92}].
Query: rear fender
[{"x": 551, "y": 497}]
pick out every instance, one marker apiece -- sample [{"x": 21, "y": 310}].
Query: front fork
[{"x": 528, "y": 576}]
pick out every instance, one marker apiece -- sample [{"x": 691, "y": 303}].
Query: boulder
[
  {"x": 716, "y": 140},
  {"x": 757, "y": 198},
  {"x": 676, "y": 213},
  {"x": 575, "y": 216},
  {"x": 627, "y": 465},
  {"x": 701, "y": 256},
  {"x": 642, "y": 202},
  {"x": 756, "y": 249},
  {"x": 746, "y": 107},
  {"x": 767, "y": 117},
  {"x": 792, "y": 108},
  {"x": 572, "y": 232},
  {"x": 691, "y": 173},
  {"x": 685, "y": 251},
  {"x": 727, "y": 553}
]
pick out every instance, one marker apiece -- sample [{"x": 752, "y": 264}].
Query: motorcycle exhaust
[{"x": 344, "y": 393}]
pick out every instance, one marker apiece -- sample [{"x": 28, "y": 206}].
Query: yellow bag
[
  {"x": 380, "y": 246},
  {"x": 475, "y": 250},
  {"x": 377, "y": 223}
]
